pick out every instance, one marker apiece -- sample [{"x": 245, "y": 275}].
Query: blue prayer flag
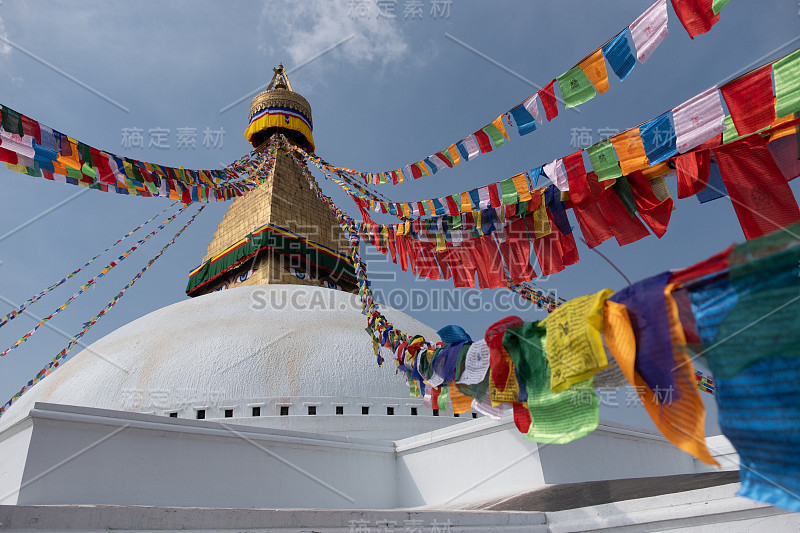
[
  {"x": 618, "y": 53},
  {"x": 659, "y": 139}
]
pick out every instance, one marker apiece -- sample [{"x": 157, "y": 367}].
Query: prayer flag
[
  {"x": 658, "y": 137},
  {"x": 631, "y": 152},
  {"x": 751, "y": 101},
  {"x": 787, "y": 85},
  {"x": 649, "y": 30},
  {"x": 618, "y": 53},
  {"x": 548, "y": 96},
  {"x": 604, "y": 161},
  {"x": 762, "y": 199},
  {"x": 698, "y": 119},
  {"x": 594, "y": 67},
  {"x": 697, "y": 16},
  {"x": 575, "y": 87},
  {"x": 523, "y": 119}
]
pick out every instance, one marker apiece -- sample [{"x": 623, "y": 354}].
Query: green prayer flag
[
  {"x": 575, "y": 87},
  {"x": 787, "y": 84},
  {"x": 730, "y": 134},
  {"x": 495, "y": 135},
  {"x": 441, "y": 401},
  {"x": 717, "y": 5},
  {"x": 477, "y": 391},
  {"x": 508, "y": 191},
  {"x": 604, "y": 161},
  {"x": 12, "y": 121},
  {"x": 624, "y": 193},
  {"x": 557, "y": 418}
]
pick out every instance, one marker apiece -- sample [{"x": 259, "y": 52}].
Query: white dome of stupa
[{"x": 263, "y": 346}]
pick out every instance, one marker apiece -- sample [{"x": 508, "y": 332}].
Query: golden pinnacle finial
[{"x": 279, "y": 79}]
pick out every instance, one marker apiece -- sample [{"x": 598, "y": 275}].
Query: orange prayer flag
[
  {"x": 454, "y": 155},
  {"x": 594, "y": 67},
  {"x": 630, "y": 150},
  {"x": 466, "y": 203},
  {"x": 498, "y": 123},
  {"x": 521, "y": 184},
  {"x": 681, "y": 420},
  {"x": 461, "y": 402}
]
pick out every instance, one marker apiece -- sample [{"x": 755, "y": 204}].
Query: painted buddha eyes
[
  {"x": 243, "y": 276},
  {"x": 297, "y": 273}
]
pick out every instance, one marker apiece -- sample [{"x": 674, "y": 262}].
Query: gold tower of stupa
[{"x": 280, "y": 232}]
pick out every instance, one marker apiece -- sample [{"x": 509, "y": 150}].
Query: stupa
[{"x": 257, "y": 405}]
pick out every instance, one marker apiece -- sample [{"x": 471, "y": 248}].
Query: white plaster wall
[
  {"x": 723, "y": 451},
  {"x": 478, "y": 460},
  {"x": 13, "y": 453},
  {"x": 134, "y": 459},
  {"x": 613, "y": 451}
]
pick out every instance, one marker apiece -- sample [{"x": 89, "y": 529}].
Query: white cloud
[{"x": 304, "y": 29}]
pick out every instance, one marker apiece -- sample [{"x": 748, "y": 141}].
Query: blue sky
[{"x": 396, "y": 91}]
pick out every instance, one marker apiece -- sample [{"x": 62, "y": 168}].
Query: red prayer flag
[
  {"x": 494, "y": 196},
  {"x": 693, "y": 169},
  {"x": 498, "y": 356},
  {"x": 452, "y": 206},
  {"x": 415, "y": 171},
  {"x": 522, "y": 417},
  {"x": 484, "y": 143},
  {"x": 517, "y": 252},
  {"x": 548, "y": 97},
  {"x": 697, "y": 16},
  {"x": 751, "y": 101},
  {"x": 626, "y": 229},
  {"x": 762, "y": 199},
  {"x": 7, "y": 156},
  {"x": 31, "y": 127},
  {"x": 655, "y": 213}
]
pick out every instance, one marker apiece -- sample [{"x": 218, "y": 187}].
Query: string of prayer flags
[
  {"x": 577, "y": 85},
  {"x": 649, "y": 316},
  {"x": 90, "y": 283},
  {"x": 704, "y": 383},
  {"x": 787, "y": 84},
  {"x": 649, "y": 30},
  {"x": 32, "y": 300},
  {"x": 618, "y": 53},
  {"x": 751, "y": 101},
  {"x": 56, "y": 362},
  {"x": 697, "y": 16}
]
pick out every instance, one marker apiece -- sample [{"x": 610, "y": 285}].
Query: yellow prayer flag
[
  {"x": 574, "y": 348},
  {"x": 541, "y": 221},
  {"x": 594, "y": 67}
]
